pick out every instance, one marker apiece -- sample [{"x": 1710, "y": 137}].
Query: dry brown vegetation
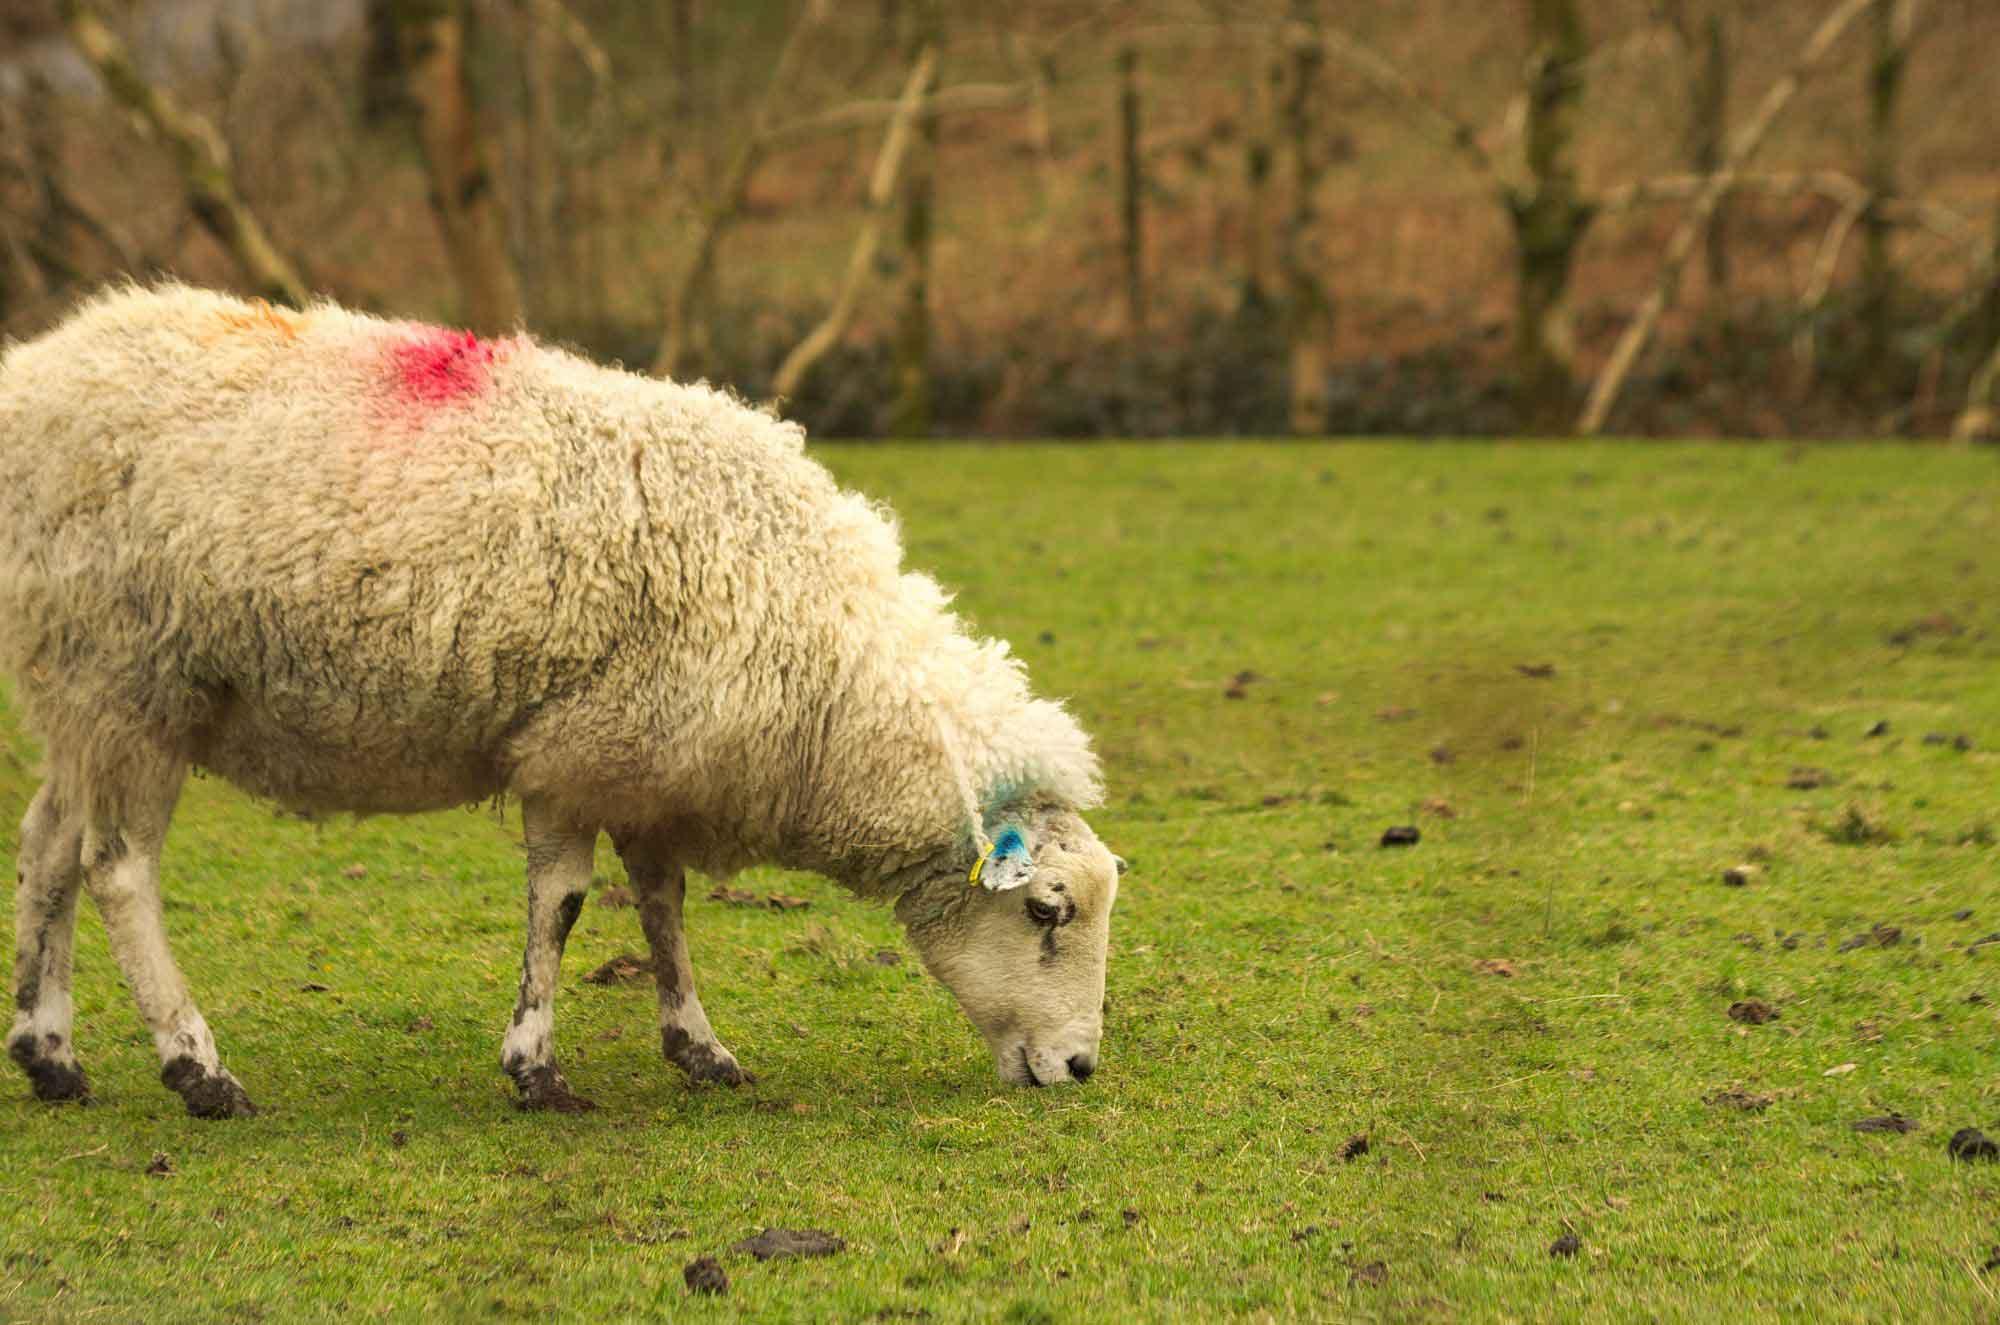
[{"x": 612, "y": 132}]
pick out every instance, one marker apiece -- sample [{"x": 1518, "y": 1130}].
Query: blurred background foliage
[{"x": 939, "y": 217}]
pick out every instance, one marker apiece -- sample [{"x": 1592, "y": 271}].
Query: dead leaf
[
  {"x": 779, "y": 902},
  {"x": 355, "y": 872},
  {"x": 1840, "y": 1071},
  {"x": 729, "y": 896},
  {"x": 1499, "y": 966}
]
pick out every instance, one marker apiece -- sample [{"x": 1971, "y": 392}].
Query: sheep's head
[{"x": 1022, "y": 947}]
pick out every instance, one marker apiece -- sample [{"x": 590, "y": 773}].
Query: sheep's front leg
[
  {"x": 685, "y": 1035},
  {"x": 559, "y": 860}
]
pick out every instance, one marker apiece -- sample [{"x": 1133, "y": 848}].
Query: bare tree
[
  {"x": 685, "y": 98},
  {"x": 1131, "y": 189},
  {"x": 199, "y": 153},
  {"x": 1703, "y": 29},
  {"x": 1550, "y": 215},
  {"x": 1604, "y": 394},
  {"x": 881, "y": 195},
  {"x": 678, "y": 351},
  {"x": 910, "y": 414},
  {"x": 1308, "y": 308},
  {"x": 1257, "y": 158},
  {"x": 431, "y": 42},
  {"x": 1890, "y": 29}
]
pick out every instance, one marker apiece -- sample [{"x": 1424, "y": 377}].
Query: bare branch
[
  {"x": 557, "y": 15},
  {"x": 881, "y": 193},
  {"x": 1430, "y": 113},
  {"x": 727, "y": 198},
  {"x": 965, "y": 99},
  {"x": 1834, "y": 185},
  {"x": 1604, "y": 393},
  {"x": 199, "y": 154}
]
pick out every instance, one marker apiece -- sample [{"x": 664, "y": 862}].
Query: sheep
[{"x": 354, "y": 565}]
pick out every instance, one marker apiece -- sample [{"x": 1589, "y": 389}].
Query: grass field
[{"x": 1586, "y": 673}]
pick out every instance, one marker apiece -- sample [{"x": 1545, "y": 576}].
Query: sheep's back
[{"x": 314, "y": 549}]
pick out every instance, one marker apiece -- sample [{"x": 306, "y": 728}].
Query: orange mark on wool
[
  {"x": 260, "y": 319},
  {"x": 434, "y": 366}
]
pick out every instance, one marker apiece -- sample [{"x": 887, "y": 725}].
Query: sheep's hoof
[
  {"x": 53, "y": 1082},
  {"x": 708, "y": 1062},
  {"x": 544, "y": 1090},
  {"x": 207, "y": 1094}
]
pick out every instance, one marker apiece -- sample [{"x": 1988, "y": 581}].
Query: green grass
[{"x": 1278, "y": 984}]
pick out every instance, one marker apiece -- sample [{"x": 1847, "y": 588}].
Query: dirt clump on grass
[
  {"x": 1888, "y": 1122},
  {"x": 1736, "y": 1097},
  {"x": 622, "y": 969},
  {"x": 1403, "y": 835},
  {"x": 1752, "y": 1012},
  {"x": 1969, "y": 1143},
  {"x": 1566, "y": 1246},
  {"x": 705, "y": 1275},
  {"x": 778, "y": 1243}
]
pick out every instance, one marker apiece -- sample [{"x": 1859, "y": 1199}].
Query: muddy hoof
[
  {"x": 52, "y": 1082},
  {"x": 544, "y": 1090},
  {"x": 207, "y": 1094},
  {"x": 708, "y": 1062}
]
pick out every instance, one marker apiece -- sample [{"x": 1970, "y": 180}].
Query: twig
[{"x": 85, "y": 1154}]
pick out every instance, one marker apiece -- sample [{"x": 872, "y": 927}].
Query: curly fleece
[{"x": 353, "y": 564}]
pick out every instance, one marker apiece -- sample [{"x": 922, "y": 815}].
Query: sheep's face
[{"x": 1026, "y": 961}]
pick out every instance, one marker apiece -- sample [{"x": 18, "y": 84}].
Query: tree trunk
[
  {"x": 1132, "y": 184},
  {"x": 1550, "y": 218},
  {"x": 1706, "y": 131},
  {"x": 1308, "y": 309},
  {"x": 1891, "y": 30},
  {"x": 685, "y": 98},
  {"x": 1257, "y": 155},
  {"x": 540, "y": 159},
  {"x": 910, "y": 414},
  {"x": 431, "y": 38},
  {"x": 199, "y": 154}
]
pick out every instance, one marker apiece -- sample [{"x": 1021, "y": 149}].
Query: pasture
[{"x": 1594, "y": 677}]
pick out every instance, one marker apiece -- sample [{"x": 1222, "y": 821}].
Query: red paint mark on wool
[{"x": 440, "y": 367}]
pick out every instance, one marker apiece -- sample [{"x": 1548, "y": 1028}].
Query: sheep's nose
[{"x": 1081, "y": 1066}]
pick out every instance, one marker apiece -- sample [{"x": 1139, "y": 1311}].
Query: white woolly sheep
[{"x": 356, "y": 565}]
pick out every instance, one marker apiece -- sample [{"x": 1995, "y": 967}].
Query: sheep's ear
[
  {"x": 1123, "y": 864},
  {"x": 1006, "y": 865}
]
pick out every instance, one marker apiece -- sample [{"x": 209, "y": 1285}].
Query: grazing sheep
[{"x": 368, "y": 566}]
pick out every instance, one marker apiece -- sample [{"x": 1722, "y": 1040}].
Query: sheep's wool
[{"x": 362, "y": 565}]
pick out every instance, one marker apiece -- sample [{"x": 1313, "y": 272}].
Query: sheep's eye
[{"x": 1042, "y": 913}]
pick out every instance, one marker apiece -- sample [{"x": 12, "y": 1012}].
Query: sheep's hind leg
[
  {"x": 559, "y": 860},
  {"x": 685, "y": 1035},
  {"x": 121, "y": 868},
  {"x": 48, "y": 876}
]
